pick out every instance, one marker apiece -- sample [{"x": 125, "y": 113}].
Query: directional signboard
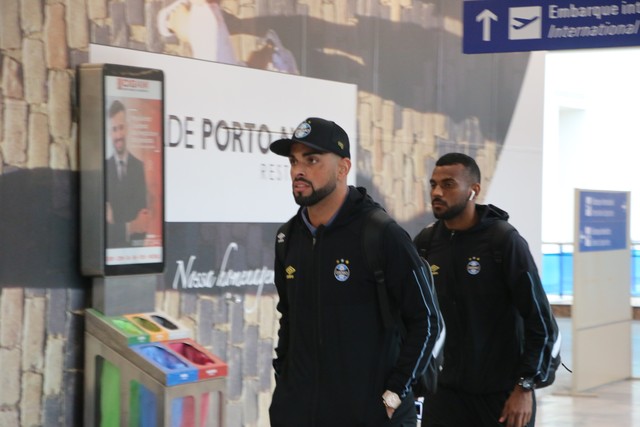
[
  {"x": 526, "y": 25},
  {"x": 600, "y": 315},
  {"x": 603, "y": 220}
]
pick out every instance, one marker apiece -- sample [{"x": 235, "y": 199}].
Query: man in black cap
[{"x": 337, "y": 363}]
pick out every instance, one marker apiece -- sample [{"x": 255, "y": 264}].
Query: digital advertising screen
[
  {"x": 134, "y": 184},
  {"x": 121, "y": 110}
]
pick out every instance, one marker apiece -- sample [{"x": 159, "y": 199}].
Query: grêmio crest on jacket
[
  {"x": 473, "y": 266},
  {"x": 341, "y": 271}
]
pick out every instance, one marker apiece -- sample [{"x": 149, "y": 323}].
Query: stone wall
[{"x": 41, "y": 354}]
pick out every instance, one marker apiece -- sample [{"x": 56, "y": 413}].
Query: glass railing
[{"x": 557, "y": 269}]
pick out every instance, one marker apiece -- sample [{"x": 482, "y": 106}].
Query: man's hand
[
  {"x": 109, "y": 214},
  {"x": 518, "y": 408},
  {"x": 390, "y": 411},
  {"x": 391, "y": 402},
  {"x": 141, "y": 223},
  {"x": 178, "y": 22}
]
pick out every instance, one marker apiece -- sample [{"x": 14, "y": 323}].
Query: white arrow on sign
[{"x": 486, "y": 16}]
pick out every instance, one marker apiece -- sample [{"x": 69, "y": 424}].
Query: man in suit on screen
[{"x": 127, "y": 213}]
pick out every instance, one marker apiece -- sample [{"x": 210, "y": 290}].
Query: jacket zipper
[
  {"x": 316, "y": 283},
  {"x": 456, "y": 283}
]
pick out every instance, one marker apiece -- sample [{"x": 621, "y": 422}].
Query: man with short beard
[
  {"x": 337, "y": 364},
  {"x": 127, "y": 213},
  {"x": 501, "y": 333}
]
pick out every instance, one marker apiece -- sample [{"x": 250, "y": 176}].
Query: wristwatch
[
  {"x": 391, "y": 399},
  {"x": 526, "y": 383}
]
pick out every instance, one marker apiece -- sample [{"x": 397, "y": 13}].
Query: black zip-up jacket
[
  {"x": 334, "y": 356},
  {"x": 499, "y": 323}
]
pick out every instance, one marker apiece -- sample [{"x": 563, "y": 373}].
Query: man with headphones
[{"x": 502, "y": 337}]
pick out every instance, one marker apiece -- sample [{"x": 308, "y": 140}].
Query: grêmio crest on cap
[{"x": 303, "y": 130}]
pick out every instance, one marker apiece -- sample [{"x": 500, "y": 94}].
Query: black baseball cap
[{"x": 321, "y": 134}]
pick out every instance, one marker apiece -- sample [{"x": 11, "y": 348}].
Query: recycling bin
[
  {"x": 132, "y": 378},
  {"x": 159, "y": 326},
  {"x": 207, "y": 364}
]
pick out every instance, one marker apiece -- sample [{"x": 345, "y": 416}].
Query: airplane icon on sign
[{"x": 523, "y": 22}]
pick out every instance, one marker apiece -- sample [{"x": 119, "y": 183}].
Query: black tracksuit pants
[{"x": 451, "y": 408}]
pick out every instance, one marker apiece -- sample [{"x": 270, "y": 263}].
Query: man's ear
[
  {"x": 344, "y": 166},
  {"x": 475, "y": 188}
]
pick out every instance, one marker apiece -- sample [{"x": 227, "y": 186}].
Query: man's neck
[
  {"x": 467, "y": 219},
  {"x": 322, "y": 212}
]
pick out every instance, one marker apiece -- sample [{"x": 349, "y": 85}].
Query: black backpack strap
[
  {"x": 500, "y": 231},
  {"x": 374, "y": 226},
  {"x": 423, "y": 240}
]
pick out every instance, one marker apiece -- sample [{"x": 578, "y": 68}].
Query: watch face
[{"x": 526, "y": 383}]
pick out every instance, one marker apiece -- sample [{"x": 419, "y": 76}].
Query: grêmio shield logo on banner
[{"x": 521, "y": 25}]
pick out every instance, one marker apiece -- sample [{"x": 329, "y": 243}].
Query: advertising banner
[
  {"x": 226, "y": 193},
  {"x": 220, "y": 120},
  {"x": 134, "y": 188}
]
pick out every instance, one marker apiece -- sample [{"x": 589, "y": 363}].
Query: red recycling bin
[{"x": 208, "y": 365}]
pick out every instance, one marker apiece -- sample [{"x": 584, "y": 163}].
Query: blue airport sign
[
  {"x": 527, "y": 25},
  {"x": 603, "y": 220}
]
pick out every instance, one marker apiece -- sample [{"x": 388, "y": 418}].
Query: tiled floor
[{"x": 611, "y": 405}]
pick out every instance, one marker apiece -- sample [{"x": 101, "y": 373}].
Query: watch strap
[{"x": 526, "y": 383}]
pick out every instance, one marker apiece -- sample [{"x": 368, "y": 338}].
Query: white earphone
[{"x": 473, "y": 194}]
